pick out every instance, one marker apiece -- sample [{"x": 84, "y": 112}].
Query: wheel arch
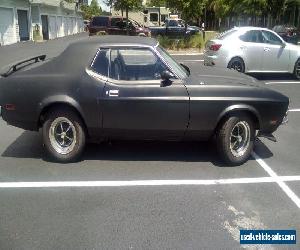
[
  {"x": 294, "y": 65},
  {"x": 238, "y": 110},
  {"x": 236, "y": 57},
  {"x": 57, "y": 102}
]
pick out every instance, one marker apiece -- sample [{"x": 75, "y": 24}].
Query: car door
[
  {"x": 276, "y": 56},
  {"x": 135, "y": 103},
  {"x": 252, "y": 49}
]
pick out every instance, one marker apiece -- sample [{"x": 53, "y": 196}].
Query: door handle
[
  {"x": 267, "y": 49},
  {"x": 113, "y": 93}
]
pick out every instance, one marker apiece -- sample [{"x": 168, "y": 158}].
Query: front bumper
[{"x": 285, "y": 119}]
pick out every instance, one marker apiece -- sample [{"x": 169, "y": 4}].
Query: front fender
[{"x": 238, "y": 108}]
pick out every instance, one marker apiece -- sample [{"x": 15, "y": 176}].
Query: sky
[{"x": 102, "y": 4}]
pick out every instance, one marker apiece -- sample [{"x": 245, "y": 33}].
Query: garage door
[
  {"x": 70, "y": 30},
  {"x": 59, "y": 26},
  {"x": 52, "y": 27},
  {"x": 65, "y": 24},
  {"x": 7, "y": 31},
  {"x": 74, "y": 25}
]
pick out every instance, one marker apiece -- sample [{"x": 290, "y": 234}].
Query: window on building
[
  {"x": 153, "y": 17},
  {"x": 163, "y": 18}
]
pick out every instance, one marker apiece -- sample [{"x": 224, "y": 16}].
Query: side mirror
[
  {"x": 166, "y": 75},
  {"x": 283, "y": 45},
  {"x": 187, "y": 69}
]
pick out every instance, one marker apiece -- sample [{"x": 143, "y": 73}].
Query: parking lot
[{"x": 146, "y": 195}]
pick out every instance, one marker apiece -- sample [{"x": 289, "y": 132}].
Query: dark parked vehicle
[
  {"x": 116, "y": 26},
  {"x": 86, "y": 24},
  {"x": 174, "y": 28},
  {"x": 289, "y": 33},
  {"x": 131, "y": 88}
]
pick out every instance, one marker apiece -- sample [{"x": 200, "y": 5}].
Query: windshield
[{"x": 178, "y": 69}]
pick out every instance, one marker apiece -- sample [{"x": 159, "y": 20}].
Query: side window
[
  {"x": 101, "y": 62},
  {"x": 115, "y": 21},
  {"x": 253, "y": 36},
  {"x": 100, "y": 21},
  {"x": 135, "y": 65},
  {"x": 271, "y": 38}
]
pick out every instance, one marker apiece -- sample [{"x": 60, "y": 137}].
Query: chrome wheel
[
  {"x": 240, "y": 139},
  {"x": 297, "y": 69},
  {"x": 62, "y": 135}
]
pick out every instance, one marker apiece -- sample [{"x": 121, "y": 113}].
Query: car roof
[
  {"x": 248, "y": 28},
  {"x": 75, "y": 58},
  {"x": 116, "y": 40}
]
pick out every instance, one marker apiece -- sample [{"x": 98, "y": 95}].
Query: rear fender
[{"x": 59, "y": 99}]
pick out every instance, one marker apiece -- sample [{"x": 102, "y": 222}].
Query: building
[
  {"x": 83, "y": 2},
  {"x": 157, "y": 15},
  {"x": 150, "y": 16},
  {"x": 22, "y": 20}
]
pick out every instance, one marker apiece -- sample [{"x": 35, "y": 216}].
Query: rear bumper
[{"x": 215, "y": 60}]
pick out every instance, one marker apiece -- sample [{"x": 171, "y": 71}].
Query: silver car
[{"x": 251, "y": 49}]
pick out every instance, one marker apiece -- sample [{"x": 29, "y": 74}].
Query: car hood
[{"x": 219, "y": 76}]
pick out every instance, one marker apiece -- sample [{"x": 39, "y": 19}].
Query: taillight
[{"x": 215, "y": 47}]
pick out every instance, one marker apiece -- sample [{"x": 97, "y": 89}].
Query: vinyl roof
[{"x": 114, "y": 40}]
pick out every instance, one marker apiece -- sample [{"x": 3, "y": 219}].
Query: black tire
[
  {"x": 237, "y": 64},
  {"x": 225, "y": 140},
  {"x": 52, "y": 145},
  {"x": 297, "y": 70}
]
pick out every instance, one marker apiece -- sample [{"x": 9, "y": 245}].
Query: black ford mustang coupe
[{"x": 106, "y": 88}]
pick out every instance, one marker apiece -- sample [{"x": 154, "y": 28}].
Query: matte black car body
[{"x": 187, "y": 109}]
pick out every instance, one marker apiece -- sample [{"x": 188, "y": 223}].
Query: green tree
[
  {"x": 189, "y": 9},
  {"x": 126, "y": 5},
  {"x": 91, "y": 10},
  {"x": 157, "y": 3}
]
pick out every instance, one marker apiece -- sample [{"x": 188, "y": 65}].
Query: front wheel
[
  {"x": 63, "y": 135},
  {"x": 297, "y": 70},
  {"x": 235, "y": 139}
]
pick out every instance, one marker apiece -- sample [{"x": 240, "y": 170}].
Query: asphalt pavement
[{"x": 146, "y": 195}]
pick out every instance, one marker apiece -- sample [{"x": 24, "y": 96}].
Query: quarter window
[
  {"x": 101, "y": 62},
  {"x": 135, "y": 65}
]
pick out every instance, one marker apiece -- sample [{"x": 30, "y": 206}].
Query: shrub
[{"x": 194, "y": 41}]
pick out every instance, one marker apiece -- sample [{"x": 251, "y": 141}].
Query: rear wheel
[
  {"x": 237, "y": 64},
  {"x": 63, "y": 135},
  {"x": 235, "y": 139},
  {"x": 297, "y": 70}
]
